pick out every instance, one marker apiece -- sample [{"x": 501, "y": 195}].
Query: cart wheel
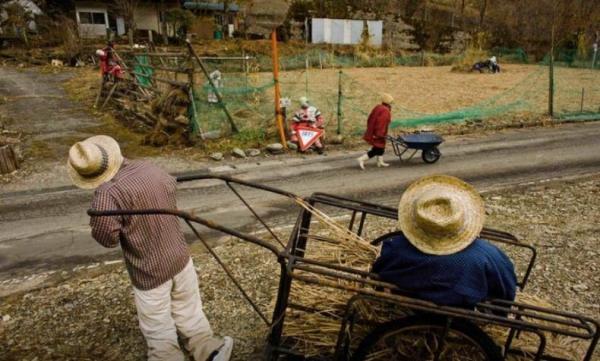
[
  {"x": 431, "y": 155},
  {"x": 418, "y": 337}
]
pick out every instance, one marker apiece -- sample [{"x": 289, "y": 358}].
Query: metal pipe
[{"x": 229, "y": 274}]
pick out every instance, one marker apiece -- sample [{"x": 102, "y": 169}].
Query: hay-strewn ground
[{"x": 90, "y": 314}]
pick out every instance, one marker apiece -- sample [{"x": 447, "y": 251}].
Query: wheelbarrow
[{"x": 426, "y": 142}]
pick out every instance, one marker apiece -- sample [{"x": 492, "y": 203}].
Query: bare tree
[
  {"x": 483, "y": 4},
  {"x": 127, "y": 9}
]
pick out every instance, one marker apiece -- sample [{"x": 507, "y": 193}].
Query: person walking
[
  {"x": 165, "y": 284},
  {"x": 377, "y": 129}
]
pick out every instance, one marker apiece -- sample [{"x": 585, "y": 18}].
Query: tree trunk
[
  {"x": 130, "y": 36},
  {"x": 462, "y": 15},
  {"x": 482, "y": 9},
  {"x": 9, "y": 161}
]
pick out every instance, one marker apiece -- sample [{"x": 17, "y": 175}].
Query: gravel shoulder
[{"x": 88, "y": 312}]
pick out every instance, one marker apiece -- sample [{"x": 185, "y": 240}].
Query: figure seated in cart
[
  {"x": 308, "y": 116},
  {"x": 109, "y": 66},
  {"x": 437, "y": 257}
]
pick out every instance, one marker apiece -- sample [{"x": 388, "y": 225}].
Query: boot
[
  {"x": 361, "y": 161},
  {"x": 380, "y": 162}
]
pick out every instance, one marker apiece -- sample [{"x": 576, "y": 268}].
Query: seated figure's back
[{"x": 461, "y": 279}]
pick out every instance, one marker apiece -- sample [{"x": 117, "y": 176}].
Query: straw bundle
[{"x": 316, "y": 333}]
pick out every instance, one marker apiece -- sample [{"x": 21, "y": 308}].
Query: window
[{"x": 86, "y": 17}]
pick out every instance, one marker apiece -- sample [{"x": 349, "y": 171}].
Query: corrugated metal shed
[{"x": 343, "y": 31}]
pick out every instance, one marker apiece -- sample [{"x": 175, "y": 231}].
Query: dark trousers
[{"x": 375, "y": 151}]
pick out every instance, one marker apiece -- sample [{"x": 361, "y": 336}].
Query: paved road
[
  {"x": 47, "y": 227},
  {"x": 40, "y": 99}
]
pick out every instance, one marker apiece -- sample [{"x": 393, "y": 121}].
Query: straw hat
[
  {"x": 94, "y": 161},
  {"x": 387, "y": 98},
  {"x": 441, "y": 214}
]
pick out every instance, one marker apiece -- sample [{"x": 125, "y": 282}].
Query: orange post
[{"x": 278, "y": 115}]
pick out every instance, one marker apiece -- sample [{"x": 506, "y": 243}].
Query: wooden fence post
[{"x": 9, "y": 161}]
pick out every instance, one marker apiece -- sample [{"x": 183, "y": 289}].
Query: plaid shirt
[{"x": 153, "y": 245}]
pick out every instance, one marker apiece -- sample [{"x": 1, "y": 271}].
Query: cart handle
[{"x": 188, "y": 217}]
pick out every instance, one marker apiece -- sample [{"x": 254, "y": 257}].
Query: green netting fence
[{"x": 521, "y": 90}]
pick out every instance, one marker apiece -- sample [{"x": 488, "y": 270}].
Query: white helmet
[{"x": 100, "y": 52}]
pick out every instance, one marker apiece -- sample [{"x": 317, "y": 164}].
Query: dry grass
[{"x": 418, "y": 91}]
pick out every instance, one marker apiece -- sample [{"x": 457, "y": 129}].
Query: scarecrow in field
[
  {"x": 307, "y": 116},
  {"x": 438, "y": 255},
  {"x": 490, "y": 64},
  {"x": 377, "y": 129},
  {"x": 165, "y": 284}
]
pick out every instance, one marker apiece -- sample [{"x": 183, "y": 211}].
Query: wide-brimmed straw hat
[
  {"x": 94, "y": 161},
  {"x": 387, "y": 98},
  {"x": 440, "y": 214}
]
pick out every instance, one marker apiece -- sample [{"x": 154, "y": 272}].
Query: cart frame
[{"x": 295, "y": 266}]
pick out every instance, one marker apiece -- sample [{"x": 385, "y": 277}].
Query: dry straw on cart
[{"x": 315, "y": 333}]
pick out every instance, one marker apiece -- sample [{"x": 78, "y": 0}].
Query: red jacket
[{"x": 377, "y": 126}]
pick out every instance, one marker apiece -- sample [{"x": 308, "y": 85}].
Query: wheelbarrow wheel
[
  {"x": 419, "y": 337},
  {"x": 431, "y": 155}
]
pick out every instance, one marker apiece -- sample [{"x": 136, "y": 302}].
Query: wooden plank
[
  {"x": 167, "y": 55},
  {"x": 172, "y": 82},
  {"x": 174, "y": 70}
]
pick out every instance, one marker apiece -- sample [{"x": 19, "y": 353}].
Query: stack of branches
[
  {"x": 169, "y": 112},
  {"x": 313, "y": 328}
]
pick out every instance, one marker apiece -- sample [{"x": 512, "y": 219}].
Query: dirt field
[
  {"x": 89, "y": 313},
  {"x": 518, "y": 94}
]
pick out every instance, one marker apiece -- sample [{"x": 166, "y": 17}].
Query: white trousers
[{"x": 172, "y": 307}]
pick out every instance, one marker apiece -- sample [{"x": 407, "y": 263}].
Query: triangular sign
[{"x": 307, "y": 136}]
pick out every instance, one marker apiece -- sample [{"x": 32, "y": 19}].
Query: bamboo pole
[
  {"x": 278, "y": 115},
  {"x": 110, "y": 93},
  {"x": 551, "y": 79},
  {"x": 339, "y": 104},
  {"x": 234, "y": 127},
  {"x": 194, "y": 111}
]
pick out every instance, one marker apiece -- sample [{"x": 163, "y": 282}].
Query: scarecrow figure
[
  {"x": 490, "y": 64},
  {"x": 377, "y": 129},
  {"x": 165, "y": 284},
  {"x": 310, "y": 117},
  {"x": 217, "y": 80},
  {"x": 437, "y": 255},
  {"x": 109, "y": 66}
]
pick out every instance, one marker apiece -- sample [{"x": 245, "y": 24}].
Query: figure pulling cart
[{"x": 370, "y": 318}]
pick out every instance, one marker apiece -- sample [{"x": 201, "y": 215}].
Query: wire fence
[{"x": 338, "y": 86}]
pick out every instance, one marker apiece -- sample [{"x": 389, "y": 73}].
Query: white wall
[
  {"x": 91, "y": 30},
  {"x": 343, "y": 31},
  {"x": 146, "y": 17}
]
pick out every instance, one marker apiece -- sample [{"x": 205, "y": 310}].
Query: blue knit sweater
[{"x": 479, "y": 272}]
